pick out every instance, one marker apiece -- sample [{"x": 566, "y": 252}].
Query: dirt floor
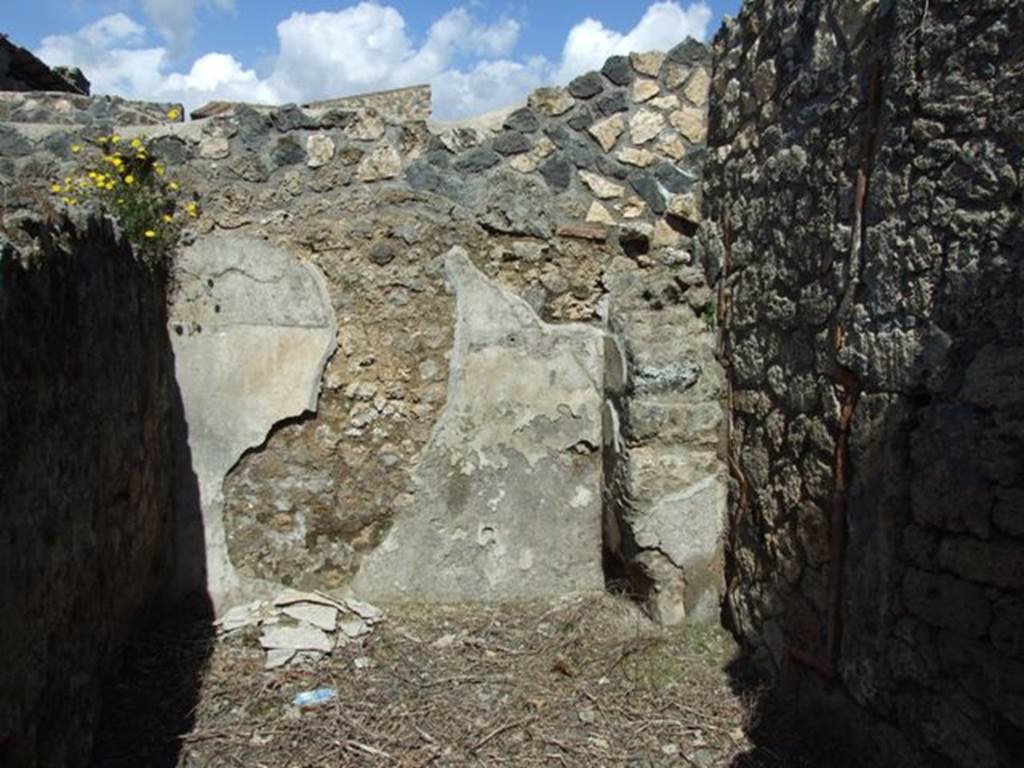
[{"x": 577, "y": 682}]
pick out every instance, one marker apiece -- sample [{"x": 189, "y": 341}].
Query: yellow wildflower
[
  {"x": 120, "y": 200},
  {"x": 102, "y": 139},
  {"x": 129, "y": 179},
  {"x": 149, "y": 233},
  {"x": 136, "y": 143},
  {"x": 55, "y": 188},
  {"x": 168, "y": 218},
  {"x": 75, "y": 149},
  {"x": 173, "y": 113},
  {"x": 190, "y": 208},
  {"x": 140, "y": 155},
  {"x": 114, "y": 139},
  {"x": 173, "y": 186}
]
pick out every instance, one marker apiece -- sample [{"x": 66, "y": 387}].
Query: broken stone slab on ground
[{"x": 301, "y": 626}]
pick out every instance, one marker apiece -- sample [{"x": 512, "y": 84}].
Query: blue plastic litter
[{"x": 320, "y": 695}]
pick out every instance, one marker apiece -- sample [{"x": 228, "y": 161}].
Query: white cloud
[
  {"x": 175, "y": 20},
  {"x": 663, "y": 25},
  {"x": 362, "y": 47}
]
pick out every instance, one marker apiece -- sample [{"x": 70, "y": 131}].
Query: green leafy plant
[{"x": 126, "y": 179}]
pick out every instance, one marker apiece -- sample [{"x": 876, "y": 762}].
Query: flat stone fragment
[
  {"x": 648, "y": 63},
  {"x": 675, "y": 74},
  {"x": 551, "y": 101},
  {"x": 320, "y": 150},
  {"x": 691, "y": 122},
  {"x": 383, "y": 162},
  {"x": 583, "y": 231},
  {"x": 645, "y": 125},
  {"x": 323, "y": 617},
  {"x": 301, "y": 638},
  {"x": 632, "y": 208},
  {"x": 278, "y": 657},
  {"x": 644, "y": 89},
  {"x": 364, "y": 610},
  {"x": 696, "y": 88},
  {"x": 354, "y": 627},
  {"x": 670, "y": 144},
  {"x": 599, "y": 214},
  {"x": 636, "y": 156},
  {"x": 214, "y": 148},
  {"x": 600, "y": 186},
  {"x": 665, "y": 103},
  {"x": 685, "y": 207},
  {"x": 607, "y": 131}
]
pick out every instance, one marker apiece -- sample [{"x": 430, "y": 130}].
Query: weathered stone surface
[
  {"x": 523, "y": 120},
  {"x": 687, "y": 525},
  {"x": 644, "y": 89},
  {"x": 618, "y": 70},
  {"x": 252, "y": 328},
  {"x": 320, "y": 149},
  {"x": 645, "y": 125},
  {"x": 690, "y": 122},
  {"x": 607, "y": 131},
  {"x": 551, "y": 101},
  {"x": 671, "y": 145},
  {"x": 383, "y": 162},
  {"x": 648, "y": 63},
  {"x": 600, "y": 186},
  {"x": 945, "y": 601},
  {"x": 612, "y": 103},
  {"x": 368, "y": 127},
  {"x": 854, "y": 354},
  {"x": 636, "y": 156},
  {"x": 599, "y": 214},
  {"x": 479, "y": 159},
  {"x": 214, "y": 148},
  {"x": 499, "y": 452},
  {"x": 85, "y": 480},
  {"x": 511, "y": 143},
  {"x": 557, "y": 172},
  {"x": 586, "y": 86},
  {"x": 696, "y": 88}
]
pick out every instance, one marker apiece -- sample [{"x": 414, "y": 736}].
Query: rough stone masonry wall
[
  {"x": 85, "y": 480},
  {"x": 436, "y": 412},
  {"x": 864, "y": 196}
]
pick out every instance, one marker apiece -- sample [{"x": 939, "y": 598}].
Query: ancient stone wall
[
  {"x": 85, "y": 480},
  {"x": 864, "y": 196},
  {"x": 464, "y": 398}
]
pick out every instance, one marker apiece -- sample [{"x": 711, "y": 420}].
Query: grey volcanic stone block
[
  {"x": 252, "y": 328},
  {"x": 612, "y": 103},
  {"x": 478, "y": 159},
  {"x": 511, "y": 143},
  {"x": 524, "y": 120},
  {"x": 586, "y": 86},
  {"x": 647, "y": 188},
  {"x": 689, "y": 53},
  {"x": 557, "y": 172},
  {"x": 509, "y": 500},
  {"x": 618, "y": 70}
]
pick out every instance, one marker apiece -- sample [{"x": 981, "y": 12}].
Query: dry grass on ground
[{"x": 578, "y": 682}]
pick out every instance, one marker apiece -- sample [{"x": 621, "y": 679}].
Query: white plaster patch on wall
[
  {"x": 251, "y": 329},
  {"x": 521, "y": 427}
]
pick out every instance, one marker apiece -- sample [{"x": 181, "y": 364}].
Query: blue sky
[{"x": 477, "y": 54}]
